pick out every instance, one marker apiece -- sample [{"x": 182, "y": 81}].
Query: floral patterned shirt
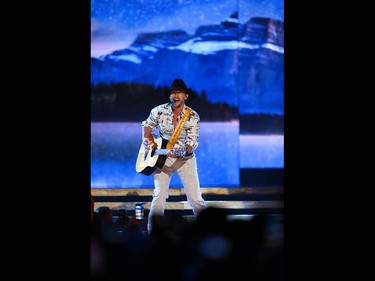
[{"x": 161, "y": 118}]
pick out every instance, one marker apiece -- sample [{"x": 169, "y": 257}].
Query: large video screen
[{"x": 230, "y": 53}]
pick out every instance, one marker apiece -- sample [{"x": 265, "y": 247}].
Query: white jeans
[{"x": 186, "y": 169}]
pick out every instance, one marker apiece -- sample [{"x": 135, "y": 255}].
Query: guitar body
[{"x": 148, "y": 161}]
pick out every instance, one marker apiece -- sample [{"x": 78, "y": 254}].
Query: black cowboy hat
[{"x": 180, "y": 85}]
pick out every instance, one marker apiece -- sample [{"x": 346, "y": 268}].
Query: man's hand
[
  {"x": 177, "y": 152},
  {"x": 149, "y": 142}
]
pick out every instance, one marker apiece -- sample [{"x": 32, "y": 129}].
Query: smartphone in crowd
[{"x": 139, "y": 212}]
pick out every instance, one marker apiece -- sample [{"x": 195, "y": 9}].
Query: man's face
[{"x": 178, "y": 97}]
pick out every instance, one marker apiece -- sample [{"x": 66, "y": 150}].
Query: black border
[{"x": 51, "y": 182}]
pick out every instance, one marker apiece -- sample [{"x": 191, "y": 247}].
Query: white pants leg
[
  {"x": 162, "y": 179},
  {"x": 188, "y": 173},
  {"x": 186, "y": 169}
]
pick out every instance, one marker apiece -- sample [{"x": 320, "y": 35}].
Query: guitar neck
[{"x": 161, "y": 151}]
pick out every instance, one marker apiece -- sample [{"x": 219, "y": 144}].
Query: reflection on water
[
  {"x": 115, "y": 147},
  {"x": 262, "y": 151}
]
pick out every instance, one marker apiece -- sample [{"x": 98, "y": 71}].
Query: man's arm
[
  {"x": 148, "y": 138},
  {"x": 189, "y": 149},
  {"x": 192, "y": 139}
]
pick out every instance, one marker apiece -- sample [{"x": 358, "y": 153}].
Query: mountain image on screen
[{"x": 241, "y": 65}]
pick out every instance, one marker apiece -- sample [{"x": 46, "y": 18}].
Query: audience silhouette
[{"x": 209, "y": 247}]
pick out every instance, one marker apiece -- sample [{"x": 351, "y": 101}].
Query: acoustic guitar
[{"x": 150, "y": 160}]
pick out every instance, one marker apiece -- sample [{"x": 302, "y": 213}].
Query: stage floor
[{"x": 237, "y": 201}]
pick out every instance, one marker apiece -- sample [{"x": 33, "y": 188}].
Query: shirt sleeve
[
  {"x": 152, "y": 120},
  {"x": 193, "y": 130}
]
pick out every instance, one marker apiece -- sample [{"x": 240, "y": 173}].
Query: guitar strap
[{"x": 178, "y": 129}]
